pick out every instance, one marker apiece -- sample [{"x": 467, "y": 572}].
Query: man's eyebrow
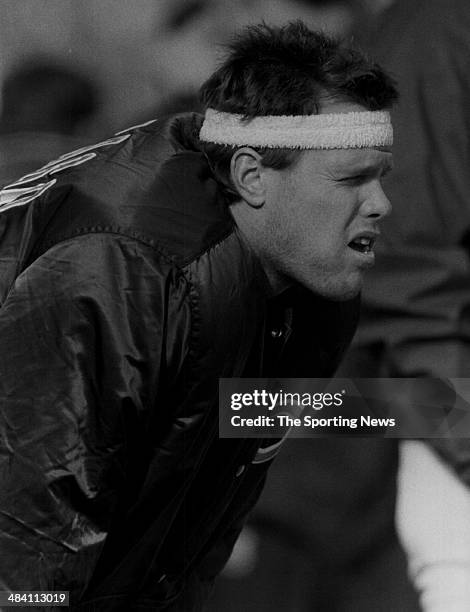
[{"x": 368, "y": 167}]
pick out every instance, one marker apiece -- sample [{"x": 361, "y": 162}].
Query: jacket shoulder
[{"x": 144, "y": 183}]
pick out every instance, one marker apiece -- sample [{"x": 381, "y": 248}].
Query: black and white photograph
[{"x": 235, "y": 305}]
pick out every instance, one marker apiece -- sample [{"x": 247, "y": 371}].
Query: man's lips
[{"x": 363, "y": 242}]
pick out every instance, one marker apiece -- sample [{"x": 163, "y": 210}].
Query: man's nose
[{"x": 377, "y": 204}]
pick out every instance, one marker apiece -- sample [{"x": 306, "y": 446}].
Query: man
[{"x": 135, "y": 274}]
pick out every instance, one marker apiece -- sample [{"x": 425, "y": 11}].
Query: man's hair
[{"x": 289, "y": 70}]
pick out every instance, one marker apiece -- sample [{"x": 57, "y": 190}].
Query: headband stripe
[{"x": 329, "y": 131}]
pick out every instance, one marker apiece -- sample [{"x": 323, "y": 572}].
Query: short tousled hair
[{"x": 289, "y": 70}]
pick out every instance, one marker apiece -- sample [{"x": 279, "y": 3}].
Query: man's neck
[{"x": 277, "y": 282}]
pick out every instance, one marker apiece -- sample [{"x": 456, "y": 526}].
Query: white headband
[{"x": 356, "y": 130}]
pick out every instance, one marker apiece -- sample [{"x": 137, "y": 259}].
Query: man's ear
[{"x": 246, "y": 171}]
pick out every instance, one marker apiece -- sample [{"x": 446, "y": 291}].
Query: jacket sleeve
[
  {"x": 200, "y": 581},
  {"x": 82, "y": 343}
]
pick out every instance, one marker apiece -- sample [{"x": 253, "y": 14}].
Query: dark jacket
[{"x": 126, "y": 293}]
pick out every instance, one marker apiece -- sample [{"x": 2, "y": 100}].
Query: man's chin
[
  {"x": 339, "y": 292},
  {"x": 343, "y": 296},
  {"x": 347, "y": 295}
]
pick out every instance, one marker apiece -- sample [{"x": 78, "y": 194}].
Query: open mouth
[{"x": 362, "y": 245}]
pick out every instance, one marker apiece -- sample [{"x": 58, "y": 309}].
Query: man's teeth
[{"x": 364, "y": 245}]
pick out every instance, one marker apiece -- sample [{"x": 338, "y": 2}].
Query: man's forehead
[{"x": 347, "y": 159}]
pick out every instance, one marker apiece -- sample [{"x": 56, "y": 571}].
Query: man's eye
[{"x": 356, "y": 179}]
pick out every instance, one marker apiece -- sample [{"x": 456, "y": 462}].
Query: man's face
[{"x": 321, "y": 217}]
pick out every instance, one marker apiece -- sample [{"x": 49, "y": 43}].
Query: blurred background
[
  {"x": 75, "y": 71},
  {"x": 138, "y": 54}
]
